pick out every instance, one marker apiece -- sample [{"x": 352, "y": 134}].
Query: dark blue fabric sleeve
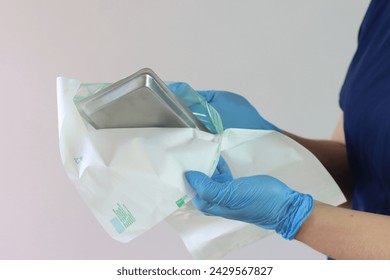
[{"x": 365, "y": 101}]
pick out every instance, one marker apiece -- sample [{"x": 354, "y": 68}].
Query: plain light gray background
[{"x": 289, "y": 58}]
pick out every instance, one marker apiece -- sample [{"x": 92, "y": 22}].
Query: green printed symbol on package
[
  {"x": 77, "y": 160},
  {"x": 123, "y": 218}
]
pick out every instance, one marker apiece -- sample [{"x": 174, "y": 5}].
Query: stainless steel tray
[{"x": 140, "y": 100}]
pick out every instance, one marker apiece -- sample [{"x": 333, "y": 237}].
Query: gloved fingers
[
  {"x": 178, "y": 87},
  {"x": 223, "y": 167},
  {"x": 222, "y": 173},
  {"x": 208, "y": 189},
  {"x": 209, "y": 208},
  {"x": 200, "y": 204},
  {"x": 198, "y": 181},
  {"x": 223, "y": 96},
  {"x": 207, "y": 94}
]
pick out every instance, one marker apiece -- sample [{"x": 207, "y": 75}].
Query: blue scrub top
[{"x": 365, "y": 100}]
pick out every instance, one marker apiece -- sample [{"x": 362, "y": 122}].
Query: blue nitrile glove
[
  {"x": 222, "y": 172},
  {"x": 260, "y": 200},
  {"x": 234, "y": 110},
  {"x": 198, "y": 106}
]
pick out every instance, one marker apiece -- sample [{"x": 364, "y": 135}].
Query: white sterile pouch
[
  {"x": 133, "y": 178},
  {"x": 248, "y": 153}
]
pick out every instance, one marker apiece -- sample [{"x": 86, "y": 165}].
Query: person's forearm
[
  {"x": 346, "y": 234},
  {"x": 333, "y": 156}
]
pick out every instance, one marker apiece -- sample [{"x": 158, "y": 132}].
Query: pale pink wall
[{"x": 246, "y": 46}]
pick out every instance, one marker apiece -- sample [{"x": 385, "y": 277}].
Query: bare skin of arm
[
  {"x": 338, "y": 232},
  {"x": 333, "y": 155},
  {"x": 345, "y": 233}
]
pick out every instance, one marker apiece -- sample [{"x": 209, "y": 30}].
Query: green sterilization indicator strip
[
  {"x": 181, "y": 201},
  {"x": 123, "y": 218}
]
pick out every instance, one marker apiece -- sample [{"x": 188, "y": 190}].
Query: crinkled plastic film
[
  {"x": 133, "y": 178},
  {"x": 200, "y": 108}
]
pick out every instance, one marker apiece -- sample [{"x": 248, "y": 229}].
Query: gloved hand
[
  {"x": 222, "y": 172},
  {"x": 260, "y": 200},
  {"x": 234, "y": 110}
]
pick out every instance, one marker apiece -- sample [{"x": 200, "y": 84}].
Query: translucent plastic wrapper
[
  {"x": 200, "y": 108},
  {"x": 133, "y": 178}
]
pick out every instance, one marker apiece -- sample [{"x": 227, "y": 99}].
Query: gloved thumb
[{"x": 207, "y": 189}]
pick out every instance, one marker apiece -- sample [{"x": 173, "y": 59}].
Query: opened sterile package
[{"x": 133, "y": 178}]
